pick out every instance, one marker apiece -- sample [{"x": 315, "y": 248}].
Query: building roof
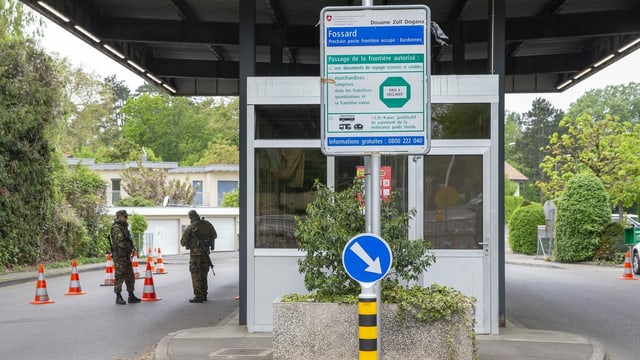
[{"x": 513, "y": 174}]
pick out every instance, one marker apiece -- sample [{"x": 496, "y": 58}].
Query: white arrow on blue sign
[{"x": 367, "y": 258}]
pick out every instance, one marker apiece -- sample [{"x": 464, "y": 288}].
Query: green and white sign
[{"x": 375, "y": 80}]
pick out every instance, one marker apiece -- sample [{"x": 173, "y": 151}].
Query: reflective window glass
[
  {"x": 284, "y": 186},
  {"x": 460, "y": 121},
  {"x": 453, "y": 201},
  {"x": 287, "y": 122}
]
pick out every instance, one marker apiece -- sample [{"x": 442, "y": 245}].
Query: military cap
[
  {"x": 122, "y": 213},
  {"x": 193, "y": 214}
]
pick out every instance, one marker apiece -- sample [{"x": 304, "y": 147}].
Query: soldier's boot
[
  {"x": 132, "y": 298},
  {"x": 196, "y": 299},
  {"x": 120, "y": 300}
]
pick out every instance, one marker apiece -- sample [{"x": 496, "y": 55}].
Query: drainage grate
[{"x": 241, "y": 352}]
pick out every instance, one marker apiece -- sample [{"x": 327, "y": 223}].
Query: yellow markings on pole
[{"x": 368, "y": 328}]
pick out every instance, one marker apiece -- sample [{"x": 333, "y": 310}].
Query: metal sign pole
[{"x": 372, "y": 211}]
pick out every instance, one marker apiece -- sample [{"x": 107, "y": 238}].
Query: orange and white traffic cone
[
  {"x": 628, "y": 274},
  {"x": 159, "y": 264},
  {"x": 150, "y": 259},
  {"x": 74, "y": 282},
  {"x": 136, "y": 266},
  {"x": 109, "y": 279},
  {"x": 41, "y": 289},
  {"x": 149, "y": 291}
]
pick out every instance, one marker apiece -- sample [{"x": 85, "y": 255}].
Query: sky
[{"x": 83, "y": 55}]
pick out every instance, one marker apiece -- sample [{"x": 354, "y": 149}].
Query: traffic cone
[
  {"x": 109, "y": 279},
  {"x": 150, "y": 259},
  {"x": 136, "y": 266},
  {"x": 159, "y": 265},
  {"x": 628, "y": 274},
  {"x": 74, "y": 282},
  {"x": 149, "y": 291},
  {"x": 41, "y": 289}
]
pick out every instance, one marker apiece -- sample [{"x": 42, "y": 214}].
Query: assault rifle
[{"x": 205, "y": 250}]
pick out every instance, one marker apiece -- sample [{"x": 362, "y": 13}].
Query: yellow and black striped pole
[{"x": 368, "y": 327}]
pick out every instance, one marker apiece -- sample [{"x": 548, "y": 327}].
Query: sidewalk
[{"x": 231, "y": 341}]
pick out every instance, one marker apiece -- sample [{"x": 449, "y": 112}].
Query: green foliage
[
  {"x": 29, "y": 94},
  {"x": 84, "y": 192},
  {"x": 581, "y": 215},
  {"x": 509, "y": 187},
  {"x": 427, "y": 304},
  {"x": 135, "y": 201},
  {"x": 523, "y": 228},
  {"x": 138, "y": 225},
  {"x": 538, "y": 124},
  {"x": 620, "y": 101},
  {"x": 231, "y": 199},
  {"x": 335, "y": 217},
  {"x": 151, "y": 185},
  {"x": 180, "y": 129},
  {"x": 604, "y": 147},
  {"x": 510, "y": 204},
  {"x": 611, "y": 243}
]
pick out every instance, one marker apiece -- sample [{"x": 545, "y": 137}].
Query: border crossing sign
[{"x": 375, "y": 72}]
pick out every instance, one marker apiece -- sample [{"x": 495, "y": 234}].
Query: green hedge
[
  {"x": 523, "y": 228},
  {"x": 510, "y": 204},
  {"x": 582, "y": 213}
]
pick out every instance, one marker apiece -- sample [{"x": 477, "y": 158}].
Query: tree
[
  {"x": 172, "y": 127},
  {"x": 28, "y": 104},
  {"x": 538, "y": 125},
  {"x": 582, "y": 214},
  {"x": 151, "y": 184},
  {"x": 18, "y": 23},
  {"x": 231, "y": 199},
  {"x": 607, "y": 148},
  {"x": 618, "y": 101},
  {"x": 222, "y": 152}
]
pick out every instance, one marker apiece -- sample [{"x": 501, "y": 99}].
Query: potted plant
[{"x": 416, "y": 322}]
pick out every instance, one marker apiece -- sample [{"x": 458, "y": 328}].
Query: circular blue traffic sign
[{"x": 367, "y": 258}]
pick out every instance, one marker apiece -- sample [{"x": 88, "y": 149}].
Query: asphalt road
[
  {"x": 587, "y": 300},
  {"x": 91, "y": 326}
]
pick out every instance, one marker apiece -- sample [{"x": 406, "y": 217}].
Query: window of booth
[
  {"x": 283, "y": 122},
  {"x": 284, "y": 186},
  {"x": 461, "y": 121},
  {"x": 453, "y": 213},
  {"x": 393, "y": 175}
]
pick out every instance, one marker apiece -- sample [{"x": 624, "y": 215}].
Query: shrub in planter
[
  {"x": 331, "y": 220},
  {"x": 523, "y": 228}
]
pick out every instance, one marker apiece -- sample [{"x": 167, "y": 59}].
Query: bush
[
  {"x": 611, "y": 242},
  {"x": 510, "y": 204},
  {"x": 523, "y": 228},
  {"x": 581, "y": 215},
  {"x": 331, "y": 220}
]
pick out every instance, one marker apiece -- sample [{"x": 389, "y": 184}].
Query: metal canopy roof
[{"x": 192, "y": 47}]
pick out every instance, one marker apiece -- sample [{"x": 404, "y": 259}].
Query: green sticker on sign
[{"x": 395, "y": 92}]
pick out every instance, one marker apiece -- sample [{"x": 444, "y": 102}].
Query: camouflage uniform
[
  {"x": 122, "y": 250},
  {"x": 198, "y": 239}
]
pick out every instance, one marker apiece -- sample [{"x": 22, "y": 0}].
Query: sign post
[
  {"x": 375, "y": 73},
  {"x": 367, "y": 259}
]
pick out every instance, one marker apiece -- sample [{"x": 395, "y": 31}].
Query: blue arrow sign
[{"x": 367, "y": 258}]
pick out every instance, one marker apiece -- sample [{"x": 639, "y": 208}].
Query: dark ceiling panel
[{"x": 193, "y": 45}]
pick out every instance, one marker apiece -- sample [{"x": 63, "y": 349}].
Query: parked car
[
  {"x": 475, "y": 203},
  {"x": 629, "y": 220}
]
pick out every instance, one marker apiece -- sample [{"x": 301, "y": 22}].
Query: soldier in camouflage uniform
[
  {"x": 198, "y": 238},
  {"x": 122, "y": 250}
]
